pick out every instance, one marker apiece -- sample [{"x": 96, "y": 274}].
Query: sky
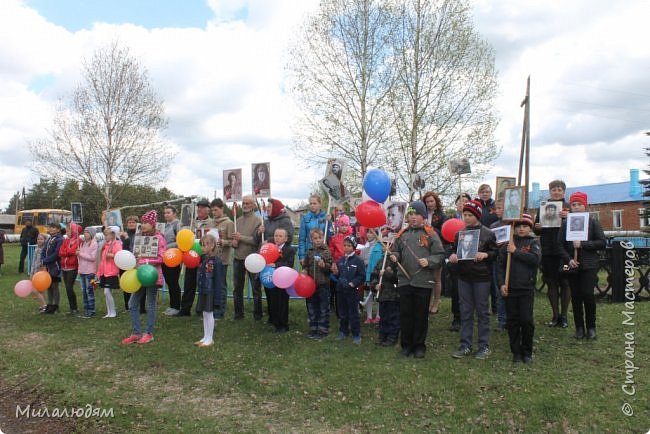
[{"x": 219, "y": 66}]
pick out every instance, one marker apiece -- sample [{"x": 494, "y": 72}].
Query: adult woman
[
  {"x": 171, "y": 274},
  {"x": 582, "y": 256},
  {"x": 314, "y": 218},
  {"x": 435, "y": 217}
]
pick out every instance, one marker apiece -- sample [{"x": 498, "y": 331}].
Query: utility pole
[{"x": 524, "y": 155}]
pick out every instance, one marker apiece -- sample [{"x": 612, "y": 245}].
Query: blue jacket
[
  {"x": 308, "y": 222},
  {"x": 351, "y": 271},
  {"x": 210, "y": 277},
  {"x": 50, "y": 255},
  {"x": 376, "y": 256}
]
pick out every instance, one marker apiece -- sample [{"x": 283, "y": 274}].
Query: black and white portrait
[
  {"x": 467, "y": 244},
  {"x": 261, "y": 179},
  {"x": 459, "y": 166},
  {"x": 417, "y": 182},
  {"x": 77, "y": 212},
  {"x": 232, "y": 185},
  {"x": 502, "y": 233},
  {"x": 502, "y": 183},
  {"x": 577, "y": 226},
  {"x": 549, "y": 214},
  {"x": 512, "y": 203}
]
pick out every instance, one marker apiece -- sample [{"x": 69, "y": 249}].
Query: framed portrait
[
  {"x": 187, "y": 214},
  {"x": 160, "y": 227},
  {"x": 232, "y": 185},
  {"x": 577, "y": 226},
  {"x": 459, "y": 166},
  {"x": 504, "y": 182},
  {"x": 417, "y": 182},
  {"x": 114, "y": 218},
  {"x": 467, "y": 244},
  {"x": 77, "y": 212},
  {"x": 502, "y": 233},
  {"x": 146, "y": 246},
  {"x": 549, "y": 214},
  {"x": 395, "y": 216},
  {"x": 513, "y": 204},
  {"x": 261, "y": 179},
  {"x": 333, "y": 182}
]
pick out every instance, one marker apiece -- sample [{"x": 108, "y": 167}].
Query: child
[
  {"x": 36, "y": 265},
  {"x": 351, "y": 273},
  {"x": 148, "y": 227},
  {"x": 343, "y": 230},
  {"x": 108, "y": 273},
  {"x": 209, "y": 281},
  {"x": 278, "y": 297},
  {"x": 317, "y": 263},
  {"x": 474, "y": 280},
  {"x": 500, "y": 303},
  {"x": 50, "y": 262},
  {"x": 70, "y": 265},
  {"x": 582, "y": 256},
  {"x": 519, "y": 295},
  {"x": 371, "y": 253},
  {"x": 388, "y": 297},
  {"x": 87, "y": 258}
]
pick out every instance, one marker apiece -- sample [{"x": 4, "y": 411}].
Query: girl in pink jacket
[
  {"x": 108, "y": 272},
  {"x": 87, "y": 260}
]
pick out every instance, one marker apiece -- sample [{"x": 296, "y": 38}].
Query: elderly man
[{"x": 244, "y": 241}]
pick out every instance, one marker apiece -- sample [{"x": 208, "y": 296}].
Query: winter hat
[
  {"x": 350, "y": 239},
  {"x": 526, "y": 219},
  {"x": 91, "y": 230},
  {"x": 202, "y": 202},
  {"x": 115, "y": 230},
  {"x": 150, "y": 217},
  {"x": 475, "y": 207},
  {"x": 417, "y": 207},
  {"x": 579, "y": 196},
  {"x": 343, "y": 220},
  {"x": 276, "y": 209}
]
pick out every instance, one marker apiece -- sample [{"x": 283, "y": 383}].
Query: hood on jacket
[{"x": 75, "y": 230}]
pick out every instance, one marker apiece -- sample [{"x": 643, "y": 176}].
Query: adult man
[
  {"x": 27, "y": 236},
  {"x": 200, "y": 226},
  {"x": 420, "y": 252},
  {"x": 244, "y": 242},
  {"x": 226, "y": 228}
]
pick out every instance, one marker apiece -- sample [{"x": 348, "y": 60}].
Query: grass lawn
[{"x": 254, "y": 380}]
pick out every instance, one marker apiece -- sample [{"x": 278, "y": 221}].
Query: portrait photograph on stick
[
  {"x": 502, "y": 233},
  {"x": 513, "y": 203},
  {"x": 577, "y": 227},
  {"x": 502, "y": 183},
  {"x": 549, "y": 214},
  {"x": 261, "y": 174},
  {"x": 232, "y": 185}
]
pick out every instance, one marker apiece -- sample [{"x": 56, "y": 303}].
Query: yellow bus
[{"x": 41, "y": 218}]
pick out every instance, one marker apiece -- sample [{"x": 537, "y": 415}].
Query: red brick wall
[{"x": 630, "y": 215}]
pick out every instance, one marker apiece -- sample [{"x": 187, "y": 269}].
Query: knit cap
[
  {"x": 150, "y": 217},
  {"x": 417, "y": 207},
  {"x": 475, "y": 207},
  {"x": 579, "y": 196}
]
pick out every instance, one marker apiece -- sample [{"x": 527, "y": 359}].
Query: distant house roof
[{"x": 597, "y": 194}]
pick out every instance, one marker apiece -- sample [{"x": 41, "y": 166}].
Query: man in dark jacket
[
  {"x": 27, "y": 236},
  {"x": 419, "y": 250},
  {"x": 525, "y": 255}
]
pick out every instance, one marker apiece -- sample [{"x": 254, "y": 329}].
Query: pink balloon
[
  {"x": 23, "y": 288},
  {"x": 284, "y": 277}
]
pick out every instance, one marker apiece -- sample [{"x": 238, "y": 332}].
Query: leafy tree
[{"x": 107, "y": 134}]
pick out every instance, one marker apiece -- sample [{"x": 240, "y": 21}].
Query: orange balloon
[
  {"x": 41, "y": 281},
  {"x": 173, "y": 257}
]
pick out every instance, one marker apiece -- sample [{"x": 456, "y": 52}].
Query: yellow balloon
[
  {"x": 185, "y": 239},
  {"x": 129, "y": 281}
]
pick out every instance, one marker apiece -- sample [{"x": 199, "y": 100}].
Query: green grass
[{"x": 253, "y": 380}]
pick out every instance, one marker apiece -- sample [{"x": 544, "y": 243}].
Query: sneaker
[
  {"x": 203, "y": 344},
  {"x": 563, "y": 322},
  {"x": 356, "y": 340},
  {"x": 73, "y": 312},
  {"x": 376, "y": 320},
  {"x": 42, "y": 309},
  {"x": 528, "y": 360},
  {"x": 419, "y": 353},
  {"x": 483, "y": 353},
  {"x": 313, "y": 334},
  {"x": 516, "y": 358},
  {"x": 131, "y": 339},
  {"x": 88, "y": 315},
  {"x": 369, "y": 321},
  {"x": 146, "y": 338},
  {"x": 341, "y": 336},
  {"x": 171, "y": 311},
  {"x": 461, "y": 352},
  {"x": 455, "y": 326}
]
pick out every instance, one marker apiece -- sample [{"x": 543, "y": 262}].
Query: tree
[
  {"x": 108, "y": 134},
  {"x": 13, "y": 205},
  {"x": 340, "y": 80},
  {"x": 442, "y": 100}
]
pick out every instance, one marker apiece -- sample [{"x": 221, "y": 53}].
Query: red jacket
[
  {"x": 336, "y": 244},
  {"x": 68, "y": 249}
]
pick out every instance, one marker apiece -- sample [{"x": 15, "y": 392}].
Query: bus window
[
  {"x": 41, "y": 219},
  {"x": 26, "y": 216}
]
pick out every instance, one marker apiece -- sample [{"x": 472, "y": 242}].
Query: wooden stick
[
  {"x": 381, "y": 275},
  {"x": 509, "y": 257},
  {"x": 408, "y": 276}
]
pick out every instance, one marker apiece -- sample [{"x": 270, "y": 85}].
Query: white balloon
[
  {"x": 254, "y": 262},
  {"x": 124, "y": 260}
]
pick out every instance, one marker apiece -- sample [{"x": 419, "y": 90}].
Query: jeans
[
  {"x": 150, "y": 293},
  {"x": 502, "y": 316},
  {"x": 414, "y": 316},
  {"x": 69, "y": 276},
  {"x": 171, "y": 275},
  {"x": 221, "y": 299},
  {"x": 389, "y": 324},
  {"x": 347, "y": 301},
  {"x": 88, "y": 293},
  {"x": 583, "y": 299},
  {"x": 318, "y": 310},
  {"x": 239, "y": 277},
  {"x": 521, "y": 325},
  {"x": 474, "y": 297}
]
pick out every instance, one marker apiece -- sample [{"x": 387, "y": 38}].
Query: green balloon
[
  {"x": 197, "y": 247},
  {"x": 147, "y": 275}
]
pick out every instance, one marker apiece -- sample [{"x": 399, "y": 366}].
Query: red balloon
[
  {"x": 191, "y": 259},
  {"x": 370, "y": 214},
  {"x": 450, "y": 228},
  {"x": 304, "y": 286},
  {"x": 270, "y": 253}
]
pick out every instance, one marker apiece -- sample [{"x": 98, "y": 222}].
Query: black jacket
[
  {"x": 523, "y": 263},
  {"x": 588, "y": 257},
  {"x": 28, "y": 235},
  {"x": 471, "y": 271},
  {"x": 487, "y": 213},
  {"x": 548, "y": 236}
]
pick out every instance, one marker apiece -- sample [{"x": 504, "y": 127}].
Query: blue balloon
[
  {"x": 291, "y": 291},
  {"x": 377, "y": 185},
  {"x": 266, "y": 277}
]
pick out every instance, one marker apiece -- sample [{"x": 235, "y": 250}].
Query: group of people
[{"x": 401, "y": 275}]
